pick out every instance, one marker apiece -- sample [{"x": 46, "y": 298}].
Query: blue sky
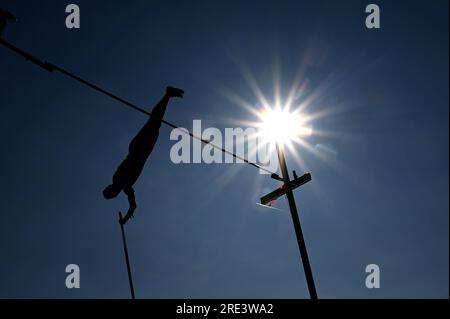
[{"x": 380, "y": 197}]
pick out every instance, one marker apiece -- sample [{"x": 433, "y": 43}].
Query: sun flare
[{"x": 282, "y": 126}]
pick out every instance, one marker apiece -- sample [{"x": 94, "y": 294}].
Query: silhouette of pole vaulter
[
  {"x": 5, "y": 16},
  {"x": 139, "y": 150}
]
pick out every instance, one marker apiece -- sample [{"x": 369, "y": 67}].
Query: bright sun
[{"x": 282, "y": 126}]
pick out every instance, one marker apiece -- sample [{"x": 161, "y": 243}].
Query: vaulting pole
[
  {"x": 296, "y": 221},
  {"x": 125, "y": 249}
]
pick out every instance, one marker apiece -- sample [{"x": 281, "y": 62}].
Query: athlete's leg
[
  {"x": 160, "y": 108},
  {"x": 148, "y": 135}
]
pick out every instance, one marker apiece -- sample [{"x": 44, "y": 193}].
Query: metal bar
[
  {"x": 51, "y": 67},
  {"x": 43, "y": 64}
]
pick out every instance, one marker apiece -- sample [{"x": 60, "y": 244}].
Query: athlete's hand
[
  {"x": 131, "y": 211},
  {"x": 130, "y": 214}
]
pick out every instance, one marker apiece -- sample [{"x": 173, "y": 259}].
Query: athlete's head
[{"x": 111, "y": 191}]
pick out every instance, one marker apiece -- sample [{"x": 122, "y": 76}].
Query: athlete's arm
[{"x": 131, "y": 201}]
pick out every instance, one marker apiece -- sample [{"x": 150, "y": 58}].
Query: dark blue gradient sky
[{"x": 382, "y": 197}]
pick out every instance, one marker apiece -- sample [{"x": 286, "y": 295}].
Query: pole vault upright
[
  {"x": 127, "y": 260},
  {"x": 296, "y": 221}
]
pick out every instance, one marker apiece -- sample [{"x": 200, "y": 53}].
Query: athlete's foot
[{"x": 174, "y": 92}]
